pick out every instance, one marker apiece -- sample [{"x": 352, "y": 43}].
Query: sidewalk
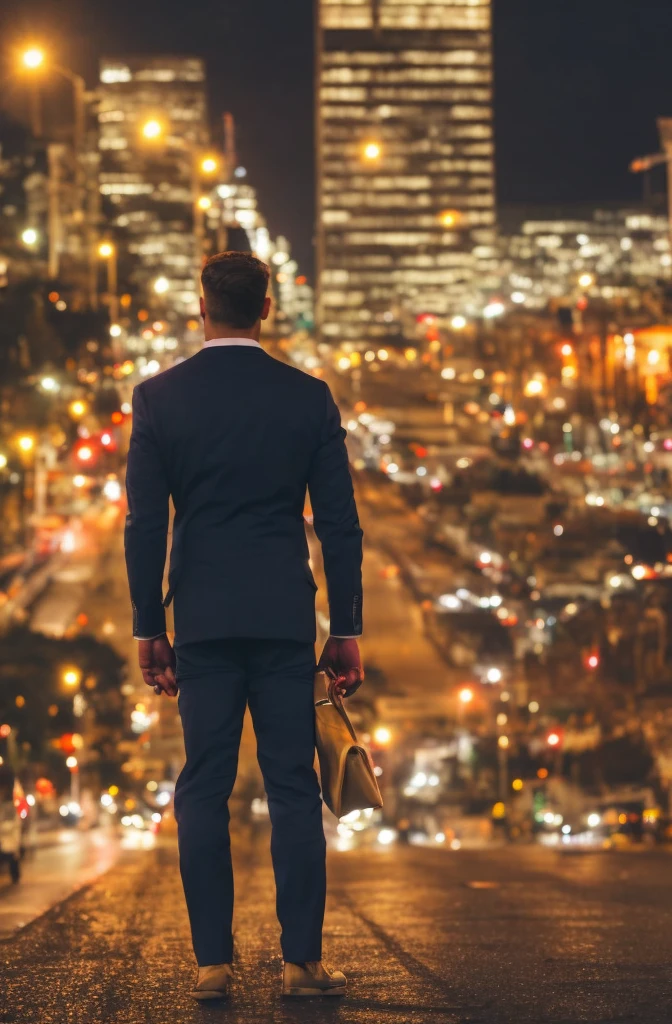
[{"x": 65, "y": 862}]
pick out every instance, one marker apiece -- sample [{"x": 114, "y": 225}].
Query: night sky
[{"x": 579, "y": 84}]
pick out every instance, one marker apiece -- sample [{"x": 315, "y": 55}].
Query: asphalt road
[{"x": 511, "y": 935}]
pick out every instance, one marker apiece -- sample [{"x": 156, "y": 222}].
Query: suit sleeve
[
  {"x": 146, "y": 534},
  {"x": 337, "y": 524}
]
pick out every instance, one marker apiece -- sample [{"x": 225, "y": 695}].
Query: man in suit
[{"x": 235, "y": 438}]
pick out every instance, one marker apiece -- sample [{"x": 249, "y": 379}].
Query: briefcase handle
[{"x": 336, "y": 700}]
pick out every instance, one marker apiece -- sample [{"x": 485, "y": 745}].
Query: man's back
[
  {"x": 240, "y": 435},
  {"x": 236, "y": 438}
]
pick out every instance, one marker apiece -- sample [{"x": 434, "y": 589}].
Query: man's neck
[{"x": 214, "y": 331}]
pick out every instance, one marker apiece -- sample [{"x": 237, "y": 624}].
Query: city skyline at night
[
  {"x": 565, "y": 131},
  {"x": 335, "y": 377}
]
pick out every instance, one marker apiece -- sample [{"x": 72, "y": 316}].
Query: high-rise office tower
[
  {"x": 406, "y": 187},
  {"x": 153, "y": 128}
]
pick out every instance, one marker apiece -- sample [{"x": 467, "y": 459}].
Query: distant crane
[{"x": 646, "y": 163}]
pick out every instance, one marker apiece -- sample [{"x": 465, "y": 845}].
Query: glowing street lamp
[
  {"x": 152, "y": 130},
  {"x": 107, "y": 251},
  {"x": 29, "y": 236},
  {"x": 77, "y": 409},
  {"x": 161, "y": 285},
  {"x": 466, "y": 695},
  {"x": 209, "y": 165},
  {"x": 33, "y": 58},
  {"x": 204, "y": 202},
  {"x": 71, "y": 676},
  {"x": 26, "y": 443},
  {"x": 382, "y": 735}
]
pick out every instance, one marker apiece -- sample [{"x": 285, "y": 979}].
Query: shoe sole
[
  {"x": 292, "y": 993},
  {"x": 209, "y": 994}
]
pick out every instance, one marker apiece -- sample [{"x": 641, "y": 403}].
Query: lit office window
[
  {"x": 408, "y": 94},
  {"x": 343, "y": 94},
  {"x": 449, "y": 56},
  {"x": 434, "y": 16},
  {"x": 347, "y": 75},
  {"x": 346, "y": 14},
  {"x": 156, "y": 75},
  {"x": 114, "y": 73},
  {"x": 335, "y": 217}
]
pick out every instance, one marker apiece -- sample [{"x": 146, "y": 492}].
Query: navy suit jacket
[{"x": 235, "y": 437}]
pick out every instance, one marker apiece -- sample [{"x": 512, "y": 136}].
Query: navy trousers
[{"x": 217, "y": 679}]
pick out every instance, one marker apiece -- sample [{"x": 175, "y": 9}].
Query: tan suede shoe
[
  {"x": 214, "y": 982},
  {"x": 312, "y": 979}
]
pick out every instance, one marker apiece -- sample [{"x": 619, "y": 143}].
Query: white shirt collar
[{"x": 221, "y": 342}]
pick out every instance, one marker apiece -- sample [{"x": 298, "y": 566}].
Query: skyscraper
[
  {"x": 153, "y": 125},
  {"x": 406, "y": 187}
]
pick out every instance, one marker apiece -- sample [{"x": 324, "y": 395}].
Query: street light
[
  {"x": 161, "y": 285},
  {"x": 29, "y": 236},
  {"x": 77, "y": 409},
  {"x": 204, "y": 202},
  {"x": 209, "y": 165},
  {"x": 71, "y": 676},
  {"x": 26, "y": 443},
  {"x": 152, "y": 129},
  {"x": 466, "y": 695},
  {"x": 382, "y": 735},
  {"x": 33, "y": 58},
  {"x": 107, "y": 251}
]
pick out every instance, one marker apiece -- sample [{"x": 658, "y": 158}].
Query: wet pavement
[
  {"x": 65, "y": 861},
  {"x": 508, "y": 936}
]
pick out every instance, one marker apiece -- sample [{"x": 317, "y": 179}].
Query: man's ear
[
  {"x": 267, "y": 308},
  {"x": 202, "y": 303}
]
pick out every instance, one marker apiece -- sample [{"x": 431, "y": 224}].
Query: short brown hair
[{"x": 234, "y": 288}]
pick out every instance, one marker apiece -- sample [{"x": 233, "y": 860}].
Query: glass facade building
[
  {"x": 406, "y": 178},
  {"x": 147, "y": 181}
]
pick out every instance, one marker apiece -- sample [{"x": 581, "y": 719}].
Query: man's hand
[
  {"x": 342, "y": 663},
  {"x": 157, "y": 661}
]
